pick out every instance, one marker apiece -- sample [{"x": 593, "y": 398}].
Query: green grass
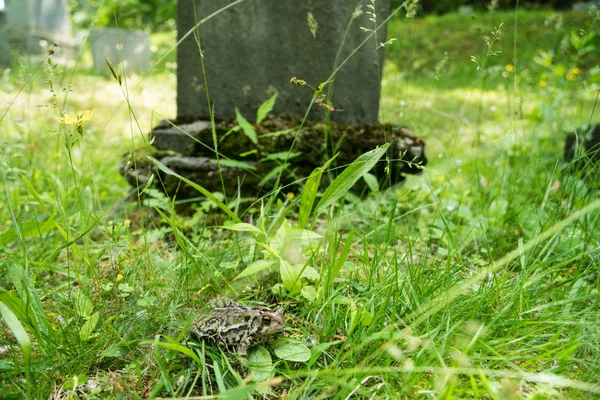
[{"x": 476, "y": 279}]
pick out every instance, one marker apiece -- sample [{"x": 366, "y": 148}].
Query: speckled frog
[{"x": 233, "y": 325}]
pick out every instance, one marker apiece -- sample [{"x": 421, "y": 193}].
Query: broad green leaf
[
  {"x": 242, "y": 227},
  {"x": 303, "y": 237},
  {"x": 309, "y": 293},
  {"x": 265, "y": 108},
  {"x": 309, "y": 273},
  {"x": 371, "y": 181},
  {"x": 83, "y": 305},
  {"x": 199, "y": 188},
  {"x": 17, "y": 330},
  {"x": 88, "y": 326},
  {"x": 291, "y": 351},
  {"x": 350, "y": 175},
  {"x": 260, "y": 363},
  {"x": 256, "y": 267},
  {"x": 235, "y": 164},
  {"x": 290, "y": 276},
  {"x": 310, "y": 192},
  {"x": 247, "y": 127},
  {"x": 281, "y": 156}
]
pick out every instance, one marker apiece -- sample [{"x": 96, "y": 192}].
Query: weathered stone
[
  {"x": 406, "y": 155},
  {"x": 122, "y": 47},
  {"x": 178, "y": 137},
  {"x": 253, "y": 49},
  {"x": 582, "y": 148}
]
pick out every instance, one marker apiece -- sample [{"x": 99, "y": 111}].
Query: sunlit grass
[{"x": 476, "y": 279}]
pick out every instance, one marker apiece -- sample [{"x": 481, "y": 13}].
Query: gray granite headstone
[
  {"x": 31, "y": 22},
  {"x": 252, "y": 50},
  {"x": 131, "y": 47}
]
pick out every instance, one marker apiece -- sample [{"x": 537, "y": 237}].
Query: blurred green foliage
[
  {"x": 447, "y": 6},
  {"x": 153, "y": 15}
]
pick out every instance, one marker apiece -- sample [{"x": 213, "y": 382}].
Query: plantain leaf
[
  {"x": 310, "y": 192},
  {"x": 260, "y": 363},
  {"x": 291, "y": 351},
  {"x": 246, "y": 126},
  {"x": 265, "y": 108},
  {"x": 242, "y": 227},
  {"x": 256, "y": 267}
]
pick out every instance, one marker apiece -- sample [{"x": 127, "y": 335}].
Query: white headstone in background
[
  {"x": 31, "y": 23},
  {"x": 129, "y": 46}
]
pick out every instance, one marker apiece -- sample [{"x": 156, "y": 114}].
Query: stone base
[
  {"x": 186, "y": 146},
  {"x": 582, "y": 148}
]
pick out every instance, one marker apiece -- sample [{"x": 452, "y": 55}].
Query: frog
[{"x": 231, "y": 324}]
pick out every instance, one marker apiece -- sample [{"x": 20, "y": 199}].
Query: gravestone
[
  {"x": 253, "y": 49},
  {"x": 33, "y": 24},
  {"x": 4, "y": 49},
  {"x": 129, "y": 48}
]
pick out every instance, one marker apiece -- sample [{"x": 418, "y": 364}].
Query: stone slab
[
  {"x": 252, "y": 50},
  {"x": 178, "y": 138}
]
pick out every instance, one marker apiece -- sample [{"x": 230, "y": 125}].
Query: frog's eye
[{"x": 267, "y": 319}]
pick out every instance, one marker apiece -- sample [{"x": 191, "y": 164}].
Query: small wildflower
[
  {"x": 543, "y": 83},
  {"x": 127, "y": 223},
  {"x": 291, "y": 195},
  {"x": 120, "y": 277},
  {"x": 509, "y": 68},
  {"x": 575, "y": 71},
  {"x": 298, "y": 82},
  {"x": 78, "y": 119}
]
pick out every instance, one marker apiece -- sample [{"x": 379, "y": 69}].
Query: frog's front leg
[{"x": 243, "y": 345}]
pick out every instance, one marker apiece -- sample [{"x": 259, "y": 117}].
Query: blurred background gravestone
[
  {"x": 4, "y": 49},
  {"x": 253, "y": 49},
  {"x": 32, "y": 25},
  {"x": 131, "y": 47}
]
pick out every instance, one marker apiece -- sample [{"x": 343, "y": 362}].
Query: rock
[{"x": 582, "y": 148}]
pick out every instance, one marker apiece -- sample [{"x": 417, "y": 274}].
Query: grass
[{"x": 476, "y": 279}]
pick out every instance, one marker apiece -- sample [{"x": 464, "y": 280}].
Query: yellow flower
[
  {"x": 575, "y": 71},
  {"x": 120, "y": 277},
  {"x": 78, "y": 119},
  {"x": 509, "y": 68},
  {"x": 127, "y": 223},
  {"x": 543, "y": 83},
  {"x": 291, "y": 196}
]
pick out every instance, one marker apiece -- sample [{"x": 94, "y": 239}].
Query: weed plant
[{"x": 476, "y": 279}]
